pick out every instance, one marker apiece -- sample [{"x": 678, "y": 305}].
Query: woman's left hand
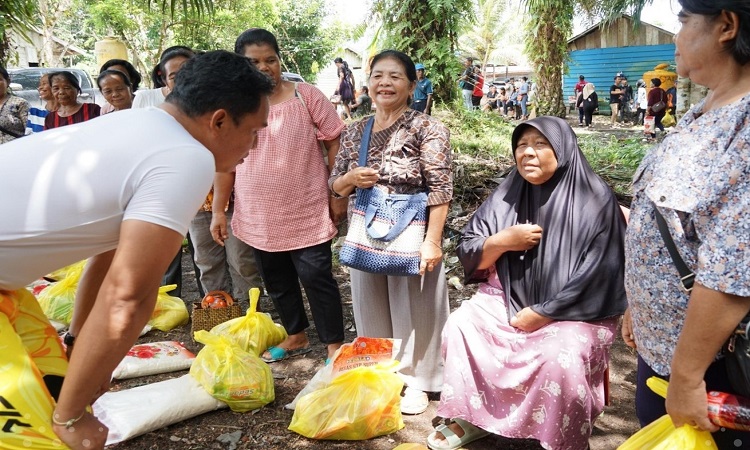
[
  {"x": 431, "y": 254},
  {"x": 529, "y": 320}
]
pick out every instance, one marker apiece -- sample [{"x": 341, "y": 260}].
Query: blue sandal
[{"x": 278, "y": 353}]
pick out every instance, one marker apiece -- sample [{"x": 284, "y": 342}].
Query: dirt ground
[{"x": 267, "y": 427}]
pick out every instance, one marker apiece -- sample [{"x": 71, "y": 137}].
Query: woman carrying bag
[{"x": 408, "y": 153}]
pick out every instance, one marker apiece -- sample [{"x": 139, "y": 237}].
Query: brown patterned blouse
[{"x": 413, "y": 155}]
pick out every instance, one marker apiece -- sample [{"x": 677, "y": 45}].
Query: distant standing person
[
  {"x": 346, "y": 85},
  {"x": 66, "y": 90},
  {"x": 656, "y": 95},
  {"x": 477, "y": 93},
  {"x": 588, "y": 103},
  {"x": 423, "y": 92},
  {"x": 14, "y": 111},
  {"x": 466, "y": 83},
  {"x": 614, "y": 99},
  {"x": 523, "y": 94},
  {"x": 641, "y": 102},
  {"x": 577, "y": 90}
]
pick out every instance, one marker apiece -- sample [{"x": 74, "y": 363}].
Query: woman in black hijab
[{"x": 526, "y": 356}]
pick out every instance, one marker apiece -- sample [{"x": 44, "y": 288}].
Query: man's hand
[
  {"x": 86, "y": 434},
  {"x": 219, "y": 227},
  {"x": 529, "y": 320}
]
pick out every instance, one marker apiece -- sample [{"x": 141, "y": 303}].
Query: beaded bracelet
[{"x": 68, "y": 423}]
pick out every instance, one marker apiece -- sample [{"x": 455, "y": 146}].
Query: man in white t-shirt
[{"x": 120, "y": 190}]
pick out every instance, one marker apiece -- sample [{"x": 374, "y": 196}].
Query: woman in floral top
[
  {"x": 409, "y": 152},
  {"x": 699, "y": 180},
  {"x": 13, "y": 111}
]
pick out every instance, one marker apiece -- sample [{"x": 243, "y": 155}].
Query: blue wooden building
[{"x": 599, "y": 53}]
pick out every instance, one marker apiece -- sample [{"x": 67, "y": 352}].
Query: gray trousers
[
  {"x": 408, "y": 309},
  {"x": 219, "y": 265}
]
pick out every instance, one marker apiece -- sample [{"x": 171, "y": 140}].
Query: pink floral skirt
[{"x": 546, "y": 385}]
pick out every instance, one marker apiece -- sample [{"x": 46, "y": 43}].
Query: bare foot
[
  {"x": 332, "y": 349},
  {"x": 292, "y": 342}
]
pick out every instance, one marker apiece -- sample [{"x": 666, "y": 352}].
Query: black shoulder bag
[{"x": 737, "y": 349}]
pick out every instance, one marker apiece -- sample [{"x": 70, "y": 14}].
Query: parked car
[
  {"x": 24, "y": 83},
  {"x": 293, "y": 77}
]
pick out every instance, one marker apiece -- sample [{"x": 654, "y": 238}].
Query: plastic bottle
[{"x": 729, "y": 411}]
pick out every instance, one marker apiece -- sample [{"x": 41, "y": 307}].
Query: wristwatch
[{"x": 69, "y": 339}]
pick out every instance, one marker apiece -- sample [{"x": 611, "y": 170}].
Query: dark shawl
[{"x": 576, "y": 271}]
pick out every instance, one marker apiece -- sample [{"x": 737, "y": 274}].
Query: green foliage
[
  {"x": 614, "y": 160},
  {"x": 487, "y": 35},
  {"x": 305, "y": 45},
  {"x": 428, "y": 32},
  {"x": 15, "y": 14}
]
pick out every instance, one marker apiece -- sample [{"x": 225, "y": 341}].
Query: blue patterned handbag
[{"x": 386, "y": 231}]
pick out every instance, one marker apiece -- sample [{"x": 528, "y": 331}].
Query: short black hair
[
  {"x": 115, "y": 73},
  {"x": 740, "y": 47},
  {"x": 219, "y": 80},
  {"x": 581, "y": 77},
  {"x": 256, "y": 36},
  {"x": 402, "y": 58},
  {"x": 4, "y": 74},
  {"x": 338, "y": 60},
  {"x": 656, "y": 82},
  {"x": 72, "y": 79},
  {"x": 365, "y": 89},
  {"x": 133, "y": 74}
]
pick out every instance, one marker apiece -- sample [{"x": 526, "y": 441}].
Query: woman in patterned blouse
[
  {"x": 13, "y": 111},
  {"x": 409, "y": 152},
  {"x": 698, "y": 178}
]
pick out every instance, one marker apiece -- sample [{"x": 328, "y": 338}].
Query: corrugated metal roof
[{"x": 594, "y": 27}]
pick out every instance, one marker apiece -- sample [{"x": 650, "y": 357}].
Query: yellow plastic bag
[
  {"x": 236, "y": 377},
  {"x": 662, "y": 434},
  {"x": 57, "y": 300},
  {"x": 169, "y": 312},
  {"x": 668, "y": 120},
  {"x": 255, "y": 331},
  {"x": 361, "y": 403}
]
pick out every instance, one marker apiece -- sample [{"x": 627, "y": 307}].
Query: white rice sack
[
  {"x": 154, "y": 358},
  {"x": 143, "y": 409}
]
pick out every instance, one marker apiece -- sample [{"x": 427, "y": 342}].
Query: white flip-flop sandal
[{"x": 452, "y": 441}]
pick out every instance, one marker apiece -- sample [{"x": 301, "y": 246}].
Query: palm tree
[
  {"x": 485, "y": 38},
  {"x": 21, "y": 15},
  {"x": 549, "y": 25}
]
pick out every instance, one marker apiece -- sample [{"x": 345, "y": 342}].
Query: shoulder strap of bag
[
  {"x": 687, "y": 276},
  {"x": 365, "y": 144}
]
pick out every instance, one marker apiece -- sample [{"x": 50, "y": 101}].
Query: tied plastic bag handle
[{"x": 661, "y": 434}]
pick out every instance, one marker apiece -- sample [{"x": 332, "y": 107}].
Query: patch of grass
[{"x": 615, "y": 160}]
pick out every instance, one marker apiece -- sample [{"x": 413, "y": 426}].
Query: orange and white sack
[{"x": 154, "y": 358}]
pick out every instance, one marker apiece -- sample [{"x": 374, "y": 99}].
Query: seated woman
[{"x": 526, "y": 356}]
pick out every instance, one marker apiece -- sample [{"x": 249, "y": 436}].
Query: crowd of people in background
[{"x": 557, "y": 259}]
